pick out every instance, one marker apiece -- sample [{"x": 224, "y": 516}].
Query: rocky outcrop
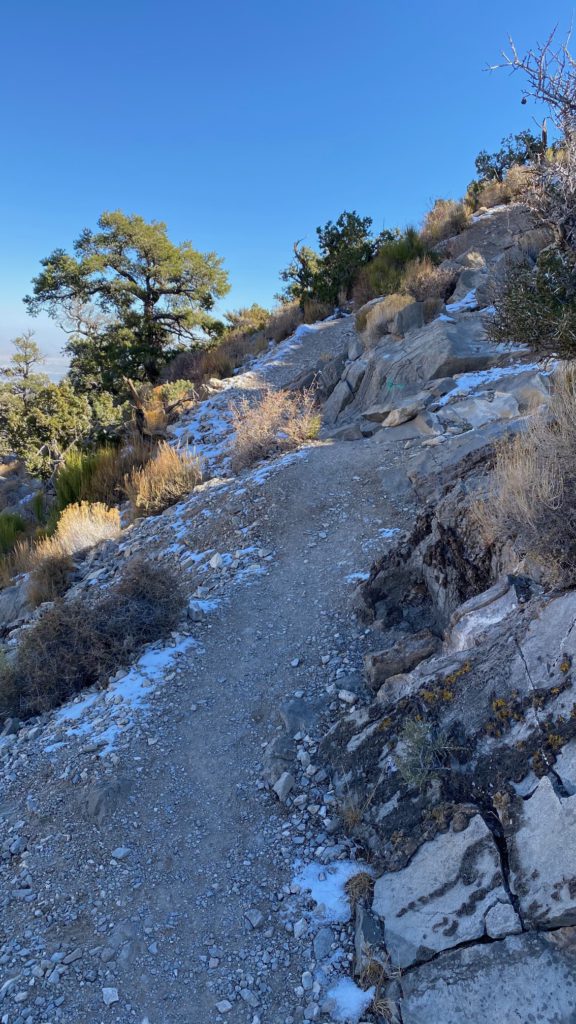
[{"x": 440, "y": 378}]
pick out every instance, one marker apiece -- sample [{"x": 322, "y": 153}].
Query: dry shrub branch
[
  {"x": 278, "y": 422},
  {"x": 83, "y": 641}
]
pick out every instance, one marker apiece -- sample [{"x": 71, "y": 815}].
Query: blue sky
[{"x": 243, "y": 125}]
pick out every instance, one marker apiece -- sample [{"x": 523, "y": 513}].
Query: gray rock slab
[
  {"x": 543, "y": 857},
  {"x": 523, "y": 979},
  {"x": 442, "y": 897}
]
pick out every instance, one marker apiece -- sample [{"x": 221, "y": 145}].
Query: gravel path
[{"x": 155, "y": 884}]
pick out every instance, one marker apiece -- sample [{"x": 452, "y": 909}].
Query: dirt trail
[{"x": 164, "y": 922}]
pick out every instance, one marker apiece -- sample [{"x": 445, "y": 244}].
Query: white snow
[
  {"x": 446, "y": 319},
  {"x": 120, "y": 700},
  {"x": 468, "y": 302},
  {"x": 357, "y": 577},
  {"x": 326, "y": 884},
  {"x": 489, "y": 213},
  {"x": 346, "y": 1002},
  {"x": 466, "y": 383},
  {"x": 388, "y": 532}
]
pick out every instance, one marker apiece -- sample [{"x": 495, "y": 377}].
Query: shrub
[
  {"x": 81, "y": 526},
  {"x": 424, "y": 280},
  {"x": 376, "y": 320},
  {"x": 533, "y": 487},
  {"x": 83, "y": 641},
  {"x": 423, "y": 753},
  {"x": 73, "y": 477},
  {"x": 50, "y": 579},
  {"x": 446, "y": 218},
  {"x": 11, "y": 526},
  {"x": 537, "y": 307},
  {"x": 167, "y": 478},
  {"x": 383, "y": 274},
  {"x": 279, "y": 421}
]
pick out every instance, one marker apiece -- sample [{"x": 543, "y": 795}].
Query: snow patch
[
  {"x": 468, "y": 382},
  {"x": 346, "y": 1002},
  {"x": 468, "y": 302},
  {"x": 326, "y": 884}
]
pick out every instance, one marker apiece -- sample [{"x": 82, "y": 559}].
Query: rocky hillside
[{"x": 344, "y": 790}]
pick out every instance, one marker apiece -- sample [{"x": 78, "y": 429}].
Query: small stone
[
  {"x": 299, "y": 928},
  {"x": 284, "y": 785},
  {"x": 255, "y": 918},
  {"x": 223, "y": 1006},
  {"x": 110, "y": 995},
  {"x": 120, "y": 853},
  {"x": 295, "y": 662}
]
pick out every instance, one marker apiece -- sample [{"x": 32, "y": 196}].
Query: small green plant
[
  {"x": 12, "y": 526},
  {"x": 537, "y": 307},
  {"x": 423, "y": 753}
]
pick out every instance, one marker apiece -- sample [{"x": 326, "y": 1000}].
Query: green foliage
[
  {"x": 345, "y": 246},
  {"x": 383, "y": 274},
  {"x": 38, "y": 505},
  {"x": 73, "y": 477},
  {"x": 300, "y": 275},
  {"x": 247, "y": 320},
  {"x": 537, "y": 306},
  {"x": 514, "y": 150},
  {"x": 153, "y": 297},
  {"x": 11, "y": 527},
  {"x": 423, "y": 753}
]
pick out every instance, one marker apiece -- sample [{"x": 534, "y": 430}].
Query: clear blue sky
[{"x": 243, "y": 125}]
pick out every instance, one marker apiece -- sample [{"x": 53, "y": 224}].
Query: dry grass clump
[
  {"x": 488, "y": 194},
  {"x": 533, "y": 491},
  {"x": 167, "y": 478},
  {"x": 80, "y": 526},
  {"x": 83, "y": 641},
  {"x": 360, "y": 888},
  {"x": 50, "y": 579},
  {"x": 279, "y": 421},
  {"x": 424, "y": 280},
  {"x": 49, "y": 560},
  {"x": 446, "y": 219},
  {"x": 376, "y": 320}
]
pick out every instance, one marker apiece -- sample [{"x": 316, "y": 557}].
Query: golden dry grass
[
  {"x": 49, "y": 559},
  {"x": 359, "y": 888},
  {"x": 166, "y": 479},
  {"x": 423, "y": 280},
  {"x": 533, "y": 488},
  {"x": 446, "y": 218},
  {"x": 278, "y": 422}
]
